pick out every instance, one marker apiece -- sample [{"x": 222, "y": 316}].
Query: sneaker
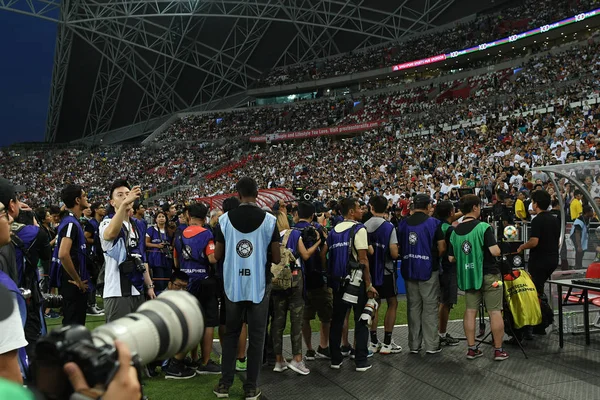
[
  {"x": 448, "y": 340},
  {"x": 241, "y": 366},
  {"x": 473, "y": 354},
  {"x": 363, "y": 368},
  {"x": 177, "y": 370},
  {"x": 252, "y": 394},
  {"x": 299, "y": 367},
  {"x": 336, "y": 366},
  {"x": 92, "y": 311},
  {"x": 150, "y": 372},
  {"x": 434, "y": 351},
  {"x": 500, "y": 355},
  {"x": 416, "y": 351},
  {"x": 375, "y": 347},
  {"x": 310, "y": 355},
  {"x": 221, "y": 391},
  {"x": 323, "y": 353},
  {"x": 210, "y": 368},
  {"x": 52, "y": 315},
  {"x": 192, "y": 364},
  {"x": 346, "y": 350},
  {"x": 280, "y": 366},
  {"x": 391, "y": 348}
]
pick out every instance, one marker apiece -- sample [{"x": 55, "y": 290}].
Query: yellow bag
[{"x": 522, "y": 299}]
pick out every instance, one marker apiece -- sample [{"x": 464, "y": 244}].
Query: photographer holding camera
[
  {"x": 70, "y": 257},
  {"x": 160, "y": 250},
  {"x": 319, "y": 297},
  {"x": 383, "y": 239},
  {"x": 421, "y": 241},
  {"x": 126, "y": 276},
  {"x": 350, "y": 279}
]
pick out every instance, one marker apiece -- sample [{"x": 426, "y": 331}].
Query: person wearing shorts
[
  {"x": 473, "y": 249},
  {"x": 319, "y": 302},
  {"x": 194, "y": 254},
  {"x": 383, "y": 250}
]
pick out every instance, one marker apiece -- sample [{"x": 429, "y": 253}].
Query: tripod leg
[{"x": 481, "y": 320}]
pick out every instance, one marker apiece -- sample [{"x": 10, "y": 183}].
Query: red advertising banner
[{"x": 334, "y": 130}]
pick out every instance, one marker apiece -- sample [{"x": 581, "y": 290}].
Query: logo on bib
[
  {"x": 244, "y": 248},
  {"x": 412, "y": 238},
  {"x": 466, "y": 247}
]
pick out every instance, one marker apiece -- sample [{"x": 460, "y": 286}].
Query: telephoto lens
[
  {"x": 161, "y": 328},
  {"x": 352, "y": 289},
  {"x": 170, "y": 324},
  {"x": 369, "y": 310}
]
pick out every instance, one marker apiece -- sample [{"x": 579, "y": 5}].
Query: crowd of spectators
[
  {"x": 484, "y": 28},
  {"x": 549, "y": 80}
]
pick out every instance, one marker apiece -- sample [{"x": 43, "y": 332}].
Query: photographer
[
  {"x": 70, "y": 257},
  {"x": 8, "y": 258},
  {"x": 159, "y": 250},
  {"x": 580, "y": 234},
  {"x": 31, "y": 246},
  {"x": 12, "y": 339},
  {"x": 347, "y": 245},
  {"x": 383, "y": 239},
  {"x": 421, "y": 241},
  {"x": 125, "y": 274},
  {"x": 194, "y": 254},
  {"x": 473, "y": 249},
  {"x": 96, "y": 258},
  {"x": 319, "y": 297}
]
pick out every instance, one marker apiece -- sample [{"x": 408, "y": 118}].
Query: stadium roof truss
[{"x": 224, "y": 44}]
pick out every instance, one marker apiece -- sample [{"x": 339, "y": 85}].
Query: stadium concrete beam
[
  {"x": 44, "y": 9},
  {"x": 62, "y": 55}
]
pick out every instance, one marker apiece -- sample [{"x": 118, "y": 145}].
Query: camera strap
[{"x": 351, "y": 245}]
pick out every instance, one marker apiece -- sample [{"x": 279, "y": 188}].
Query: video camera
[{"x": 161, "y": 328}]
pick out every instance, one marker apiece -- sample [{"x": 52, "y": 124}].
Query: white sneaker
[
  {"x": 391, "y": 348},
  {"x": 375, "y": 347},
  {"x": 280, "y": 366},
  {"x": 299, "y": 367}
]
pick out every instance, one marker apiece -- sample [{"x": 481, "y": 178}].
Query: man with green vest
[{"x": 473, "y": 248}]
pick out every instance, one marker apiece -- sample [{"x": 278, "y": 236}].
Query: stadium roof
[{"x": 130, "y": 63}]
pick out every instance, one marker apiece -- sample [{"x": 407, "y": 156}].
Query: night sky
[{"x": 27, "y": 48}]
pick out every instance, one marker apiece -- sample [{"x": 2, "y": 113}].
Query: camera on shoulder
[{"x": 133, "y": 263}]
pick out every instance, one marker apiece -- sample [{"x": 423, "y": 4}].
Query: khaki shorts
[
  {"x": 319, "y": 302},
  {"x": 492, "y": 296}
]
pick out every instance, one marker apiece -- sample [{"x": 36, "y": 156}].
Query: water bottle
[
  {"x": 573, "y": 322},
  {"x": 566, "y": 322}
]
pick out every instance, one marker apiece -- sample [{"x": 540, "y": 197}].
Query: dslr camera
[
  {"x": 353, "y": 282},
  {"x": 133, "y": 263},
  {"x": 161, "y": 328}
]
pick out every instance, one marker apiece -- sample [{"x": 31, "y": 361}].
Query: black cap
[
  {"x": 6, "y": 299},
  {"x": 7, "y": 192},
  {"x": 421, "y": 201}
]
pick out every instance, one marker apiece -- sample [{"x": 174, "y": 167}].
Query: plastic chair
[{"x": 593, "y": 271}]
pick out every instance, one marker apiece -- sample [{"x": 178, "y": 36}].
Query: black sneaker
[
  {"x": 448, "y": 340},
  {"x": 188, "y": 362},
  {"x": 346, "y": 350},
  {"x": 252, "y": 394},
  {"x": 177, "y": 370},
  {"x": 310, "y": 355},
  {"x": 323, "y": 353},
  {"x": 210, "y": 368},
  {"x": 221, "y": 391},
  {"x": 92, "y": 311}
]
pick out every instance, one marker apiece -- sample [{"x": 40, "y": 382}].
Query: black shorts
[
  {"x": 209, "y": 304},
  {"x": 388, "y": 288},
  {"x": 449, "y": 288}
]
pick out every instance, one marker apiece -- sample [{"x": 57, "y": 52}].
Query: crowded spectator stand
[{"x": 266, "y": 198}]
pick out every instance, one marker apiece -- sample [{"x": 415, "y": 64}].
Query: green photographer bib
[{"x": 468, "y": 251}]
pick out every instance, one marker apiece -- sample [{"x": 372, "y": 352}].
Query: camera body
[
  {"x": 72, "y": 344},
  {"x": 353, "y": 283},
  {"x": 133, "y": 263},
  {"x": 369, "y": 311}
]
